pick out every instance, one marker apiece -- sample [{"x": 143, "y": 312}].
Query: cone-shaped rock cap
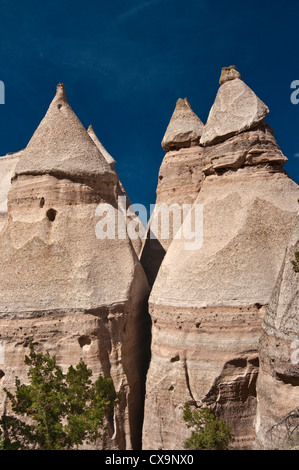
[
  {"x": 184, "y": 127},
  {"x": 61, "y": 146},
  {"x": 109, "y": 159},
  {"x": 236, "y": 109},
  {"x": 228, "y": 73}
]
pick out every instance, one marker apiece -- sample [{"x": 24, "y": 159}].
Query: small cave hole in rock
[
  {"x": 84, "y": 341},
  {"x": 2, "y": 374},
  {"x": 59, "y": 106},
  {"x": 42, "y": 202},
  {"x": 51, "y": 214},
  {"x": 175, "y": 358}
]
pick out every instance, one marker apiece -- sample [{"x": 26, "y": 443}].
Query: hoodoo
[
  {"x": 76, "y": 295},
  {"x": 179, "y": 181},
  {"x": 218, "y": 272},
  {"x": 207, "y": 305}
]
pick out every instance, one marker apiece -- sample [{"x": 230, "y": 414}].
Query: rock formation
[
  {"x": 75, "y": 294},
  {"x": 179, "y": 181},
  {"x": 245, "y": 110},
  {"x": 224, "y": 297},
  {"x": 278, "y": 381},
  {"x": 109, "y": 159},
  {"x": 207, "y": 304},
  {"x": 124, "y": 202},
  {"x": 184, "y": 129},
  {"x": 8, "y": 164}
]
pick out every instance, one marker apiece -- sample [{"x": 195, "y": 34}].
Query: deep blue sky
[{"x": 125, "y": 63}]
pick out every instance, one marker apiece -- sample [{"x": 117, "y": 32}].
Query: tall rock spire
[
  {"x": 207, "y": 302},
  {"x": 179, "y": 181},
  {"x": 80, "y": 291}
]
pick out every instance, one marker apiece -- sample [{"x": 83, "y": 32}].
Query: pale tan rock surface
[
  {"x": 207, "y": 305},
  {"x": 244, "y": 204},
  {"x": 7, "y": 168},
  {"x": 236, "y": 109},
  {"x": 125, "y": 202},
  {"x": 179, "y": 181},
  {"x": 75, "y": 294},
  {"x": 278, "y": 381},
  {"x": 249, "y": 148},
  {"x": 184, "y": 129},
  {"x": 110, "y": 160},
  {"x": 62, "y": 154}
]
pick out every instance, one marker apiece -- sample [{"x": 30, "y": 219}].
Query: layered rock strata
[
  {"x": 207, "y": 304},
  {"x": 179, "y": 181},
  {"x": 278, "y": 382},
  {"x": 7, "y": 168},
  {"x": 75, "y": 294}
]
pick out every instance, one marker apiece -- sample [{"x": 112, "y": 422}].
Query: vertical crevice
[{"x": 188, "y": 381}]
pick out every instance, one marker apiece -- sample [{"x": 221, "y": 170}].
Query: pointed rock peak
[
  {"x": 235, "y": 110},
  {"x": 228, "y": 73},
  {"x": 62, "y": 146},
  {"x": 183, "y": 103},
  {"x": 60, "y": 92},
  {"x": 184, "y": 129},
  {"x": 109, "y": 159}
]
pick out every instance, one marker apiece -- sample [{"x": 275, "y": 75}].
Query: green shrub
[
  {"x": 295, "y": 263},
  {"x": 57, "y": 411},
  {"x": 208, "y": 431}
]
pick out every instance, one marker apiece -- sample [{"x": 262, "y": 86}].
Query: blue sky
[{"x": 125, "y": 63}]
